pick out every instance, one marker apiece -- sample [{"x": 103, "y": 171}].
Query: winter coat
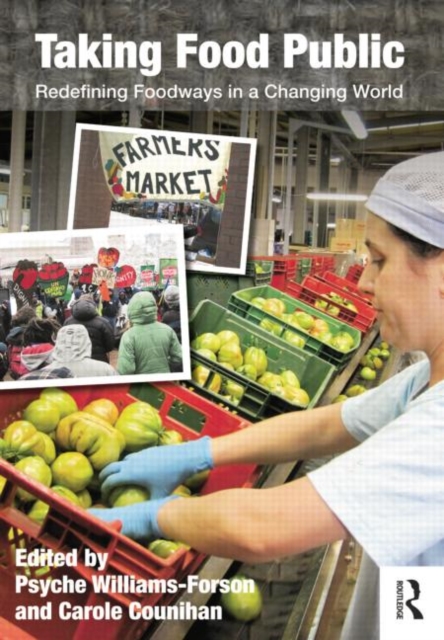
[
  {"x": 37, "y": 360},
  {"x": 148, "y": 346},
  {"x": 36, "y": 356},
  {"x": 73, "y": 351},
  {"x": 84, "y": 312},
  {"x": 111, "y": 308},
  {"x": 14, "y": 340},
  {"x": 171, "y": 317}
]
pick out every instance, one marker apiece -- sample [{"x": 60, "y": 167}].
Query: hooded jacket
[
  {"x": 73, "y": 350},
  {"x": 38, "y": 360},
  {"x": 84, "y": 312},
  {"x": 36, "y": 356},
  {"x": 148, "y": 346}
]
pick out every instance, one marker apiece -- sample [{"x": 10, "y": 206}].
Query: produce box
[
  {"x": 303, "y": 268},
  {"x": 354, "y": 272},
  {"x": 315, "y": 291},
  {"x": 240, "y": 304},
  {"x": 73, "y": 532},
  {"x": 347, "y": 285},
  {"x": 322, "y": 263},
  {"x": 282, "y": 267},
  {"x": 218, "y": 288},
  {"x": 260, "y": 268},
  {"x": 257, "y": 402}
]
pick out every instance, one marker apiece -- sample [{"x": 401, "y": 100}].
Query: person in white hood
[
  {"x": 39, "y": 343},
  {"x": 73, "y": 350},
  {"x": 70, "y": 357}
]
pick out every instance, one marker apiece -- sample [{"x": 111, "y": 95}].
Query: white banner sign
[{"x": 162, "y": 165}]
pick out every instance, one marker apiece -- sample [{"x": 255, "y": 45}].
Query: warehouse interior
[
  {"x": 313, "y": 174},
  {"x": 36, "y": 161}
]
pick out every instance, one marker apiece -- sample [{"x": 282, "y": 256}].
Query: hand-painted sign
[
  {"x": 53, "y": 279},
  {"x": 165, "y": 165},
  {"x": 24, "y": 281},
  {"x": 125, "y": 276},
  {"x": 108, "y": 257},
  {"x": 169, "y": 272},
  {"x": 103, "y": 275},
  {"x": 85, "y": 279},
  {"x": 148, "y": 276}
]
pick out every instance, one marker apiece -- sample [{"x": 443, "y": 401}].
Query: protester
[
  {"x": 73, "y": 351},
  {"x": 5, "y": 319},
  {"x": 148, "y": 346},
  {"x": 84, "y": 311},
  {"x": 111, "y": 309},
  {"x": 38, "y": 348},
  {"x": 14, "y": 341},
  {"x": 74, "y": 297},
  {"x": 37, "y": 304},
  {"x": 4, "y": 362},
  {"x": 386, "y": 489},
  {"x": 39, "y": 338},
  {"x": 171, "y": 313},
  {"x": 53, "y": 309}
]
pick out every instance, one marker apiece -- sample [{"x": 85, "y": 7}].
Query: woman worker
[{"x": 386, "y": 489}]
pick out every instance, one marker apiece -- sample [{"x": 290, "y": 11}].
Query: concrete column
[
  {"x": 324, "y": 150},
  {"x": 201, "y": 121},
  {"x": 45, "y": 170},
  {"x": 266, "y": 141},
  {"x": 17, "y": 165},
  {"x": 66, "y": 147},
  {"x": 135, "y": 117},
  {"x": 93, "y": 198},
  {"x": 352, "y": 188},
  {"x": 299, "y": 208},
  {"x": 262, "y": 224}
]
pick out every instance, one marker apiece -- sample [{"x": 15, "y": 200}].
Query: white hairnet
[{"x": 411, "y": 197}]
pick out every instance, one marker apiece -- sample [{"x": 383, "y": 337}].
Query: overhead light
[
  {"x": 411, "y": 125},
  {"x": 339, "y": 197},
  {"x": 354, "y": 121}
]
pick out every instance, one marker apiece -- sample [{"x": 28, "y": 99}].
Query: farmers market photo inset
[
  {"x": 202, "y": 183},
  {"x": 93, "y": 306}
]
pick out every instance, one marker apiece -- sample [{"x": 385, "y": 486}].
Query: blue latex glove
[
  {"x": 139, "y": 521},
  {"x": 158, "y": 469}
]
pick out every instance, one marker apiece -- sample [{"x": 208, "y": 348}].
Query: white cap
[{"x": 411, "y": 197}]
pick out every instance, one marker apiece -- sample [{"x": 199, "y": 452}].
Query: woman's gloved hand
[
  {"x": 139, "y": 521},
  {"x": 158, "y": 469}
]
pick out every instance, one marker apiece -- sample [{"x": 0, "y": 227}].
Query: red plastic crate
[
  {"x": 281, "y": 264},
  {"x": 312, "y": 290},
  {"x": 68, "y": 528},
  {"x": 354, "y": 272},
  {"x": 320, "y": 264},
  {"x": 347, "y": 285},
  {"x": 284, "y": 268},
  {"x": 9, "y": 631}
]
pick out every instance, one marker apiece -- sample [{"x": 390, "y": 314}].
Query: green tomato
[
  {"x": 367, "y": 374},
  {"x": 243, "y": 601},
  {"x": 62, "y": 399},
  {"x": 164, "y": 548},
  {"x": 35, "y": 468},
  {"x": 44, "y": 414}
]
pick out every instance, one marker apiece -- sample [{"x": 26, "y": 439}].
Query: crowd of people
[{"x": 134, "y": 332}]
